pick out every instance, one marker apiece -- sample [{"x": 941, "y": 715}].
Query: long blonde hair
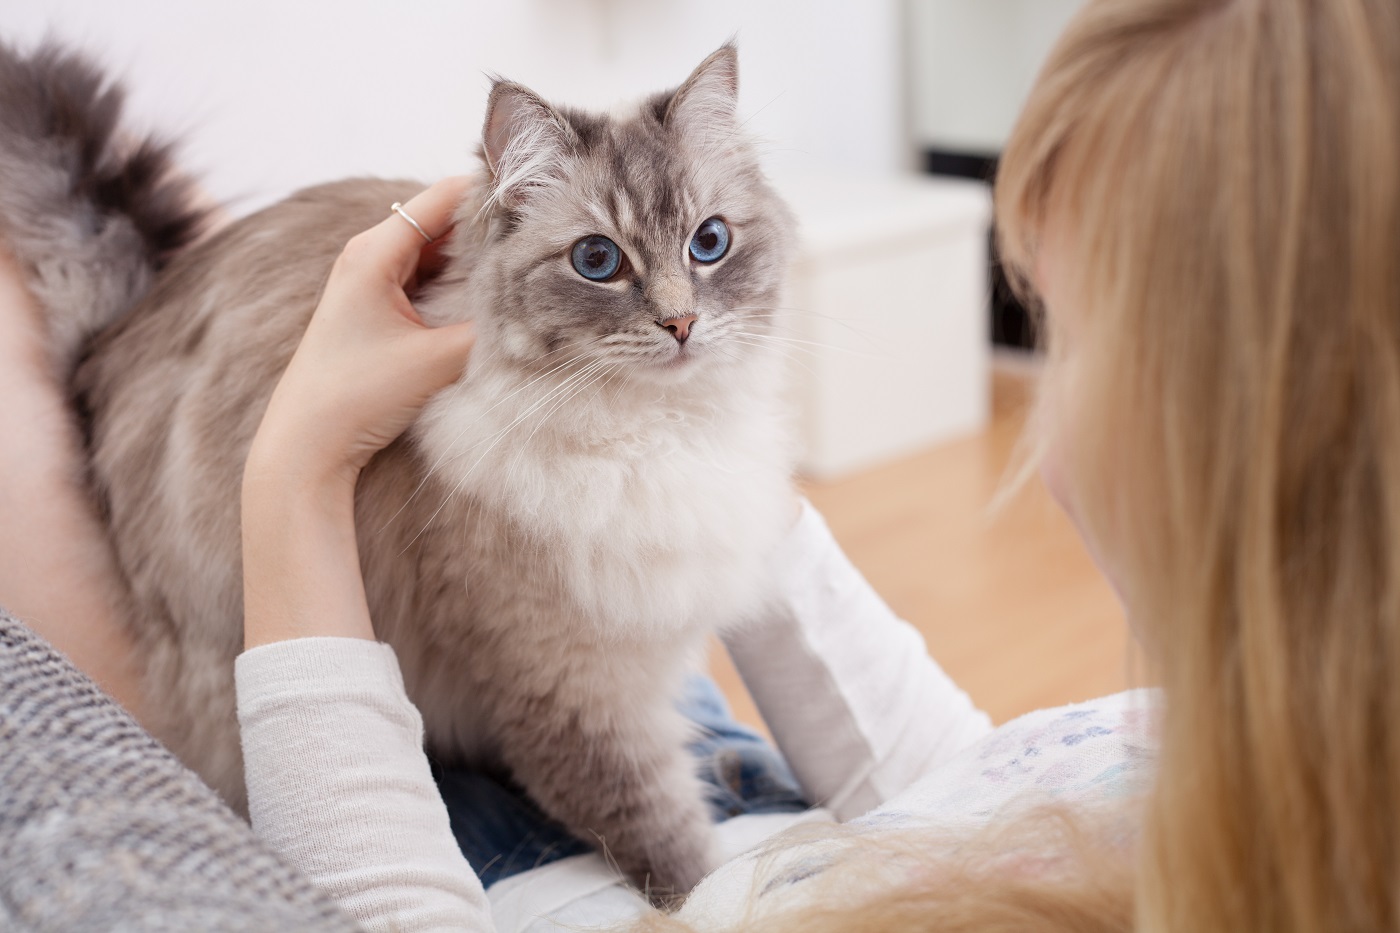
[
  {"x": 1224, "y": 177},
  {"x": 1228, "y": 173}
]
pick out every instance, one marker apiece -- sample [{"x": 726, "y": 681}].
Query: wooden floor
[{"x": 1010, "y": 603}]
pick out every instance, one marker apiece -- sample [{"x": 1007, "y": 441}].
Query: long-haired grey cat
[{"x": 548, "y": 547}]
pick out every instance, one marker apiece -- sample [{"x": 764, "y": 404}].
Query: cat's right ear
[{"x": 523, "y": 141}]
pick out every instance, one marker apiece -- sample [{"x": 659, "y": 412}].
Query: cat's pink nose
[{"x": 679, "y": 326}]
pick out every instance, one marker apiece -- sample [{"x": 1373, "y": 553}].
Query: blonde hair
[{"x": 1225, "y": 177}]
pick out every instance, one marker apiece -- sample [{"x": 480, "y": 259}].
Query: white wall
[
  {"x": 972, "y": 63},
  {"x": 275, "y": 94}
]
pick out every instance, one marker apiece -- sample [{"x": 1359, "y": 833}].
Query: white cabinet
[{"x": 888, "y": 319}]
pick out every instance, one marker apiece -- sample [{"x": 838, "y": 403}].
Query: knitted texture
[{"x": 102, "y": 829}]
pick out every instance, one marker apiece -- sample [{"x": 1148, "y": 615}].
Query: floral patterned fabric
[{"x": 1084, "y": 754}]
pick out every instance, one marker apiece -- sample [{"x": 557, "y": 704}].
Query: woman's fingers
[
  {"x": 394, "y": 245},
  {"x": 443, "y": 353},
  {"x": 382, "y": 260}
]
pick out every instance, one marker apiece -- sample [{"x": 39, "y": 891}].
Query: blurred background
[{"x": 881, "y": 120}]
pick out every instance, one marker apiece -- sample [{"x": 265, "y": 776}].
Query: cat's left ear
[{"x": 709, "y": 98}]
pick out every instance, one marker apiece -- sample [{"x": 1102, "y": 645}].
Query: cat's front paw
[{"x": 667, "y": 872}]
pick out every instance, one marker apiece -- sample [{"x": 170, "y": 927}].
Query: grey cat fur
[
  {"x": 548, "y": 547},
  {"x": 91, "y": 214}
]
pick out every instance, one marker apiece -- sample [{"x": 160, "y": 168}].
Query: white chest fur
[{"x": 658, "y": 504}]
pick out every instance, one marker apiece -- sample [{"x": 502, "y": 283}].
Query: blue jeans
[{"x": 503, "y": 832}]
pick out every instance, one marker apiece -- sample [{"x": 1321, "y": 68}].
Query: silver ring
[{"x": 397, "y": 208}]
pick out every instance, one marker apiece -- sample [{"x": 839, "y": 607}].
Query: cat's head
[{"x": 646, "y": 241}]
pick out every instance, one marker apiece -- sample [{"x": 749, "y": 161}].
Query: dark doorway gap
[{"x": 1010, "y": 323}]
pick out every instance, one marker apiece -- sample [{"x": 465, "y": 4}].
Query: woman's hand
[
  {"x": 367, "y": 363},
  {"x": 365, "y": 367}
]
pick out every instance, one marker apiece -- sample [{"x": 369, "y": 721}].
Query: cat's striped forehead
[{"x": 650, "y": 182}]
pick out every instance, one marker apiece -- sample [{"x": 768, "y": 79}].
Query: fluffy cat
[{"x": 548, "y": 547}]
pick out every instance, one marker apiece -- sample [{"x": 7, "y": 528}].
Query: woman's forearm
[
  {"x": 301, "y": 567},
  {"x": 848, "y": 689},
  {"x": 339, "y": 787},
  {"x": 325, "y": 720},
  {"x": 57, "y": 569}
]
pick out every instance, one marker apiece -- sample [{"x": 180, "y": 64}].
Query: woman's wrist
[
  {"x": 311, "y": 494},
  {"x": 282, "y": 460},
  {"x": 301, "y": 566}
]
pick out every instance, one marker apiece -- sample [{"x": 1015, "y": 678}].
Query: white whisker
[
  {"x": 809, "y": 345},
  {"x": 570, "y": 382},
  {"x": 600, "y": 376},
  {"x": 456, "y": 390},
  {"x": 787, "y": 354},
  {"x": 779, "y": 312}
]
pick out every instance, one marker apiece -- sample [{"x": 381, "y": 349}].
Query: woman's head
[{"x": 1207, "y": 194}]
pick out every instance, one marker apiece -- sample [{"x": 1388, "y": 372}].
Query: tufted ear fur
[
  {"x": 522, "y": 142},
  {"x": 709, "y": 98}
]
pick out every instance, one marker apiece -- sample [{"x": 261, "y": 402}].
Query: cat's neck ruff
[
  {"x": 656, "y": 506},
  {"x": 538, "y": 442}
]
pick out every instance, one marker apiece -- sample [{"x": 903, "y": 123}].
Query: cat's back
[
  {"x": 199, "y": 355},
  {"x": 176, "y": 388},
  {"x": 255, "y": 278}
]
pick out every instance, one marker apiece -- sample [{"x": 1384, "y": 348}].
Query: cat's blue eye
[
  {"x": 597, "y": 258},
  {"x": 711, "y": 241}
]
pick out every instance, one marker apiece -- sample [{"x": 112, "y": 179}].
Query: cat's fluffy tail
[{"x": 90, "y": 211}]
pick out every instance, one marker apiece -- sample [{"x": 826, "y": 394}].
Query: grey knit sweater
[{"x": 102, "y": 829}]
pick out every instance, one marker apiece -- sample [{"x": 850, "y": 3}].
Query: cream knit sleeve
[
  {"x": 854, "y": 701},
  {"x": 338, "y": 785}
]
